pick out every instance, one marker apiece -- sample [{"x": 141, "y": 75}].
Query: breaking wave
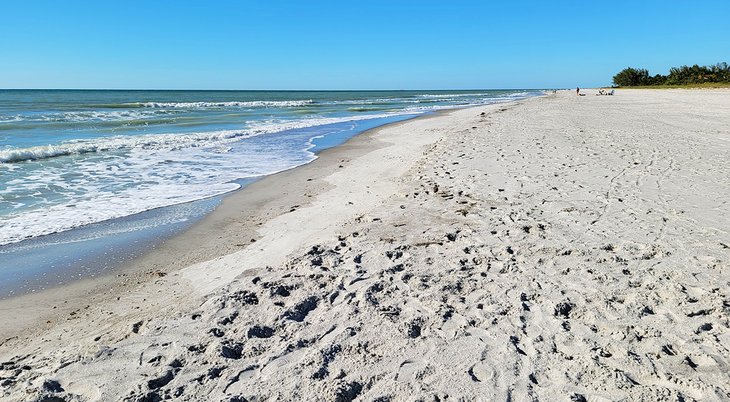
[
  {"x": 211, "y": 105},
  {"x": 171, "y": 141}
]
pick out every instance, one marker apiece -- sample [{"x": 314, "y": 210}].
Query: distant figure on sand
[{"x": 577, "y": 91}]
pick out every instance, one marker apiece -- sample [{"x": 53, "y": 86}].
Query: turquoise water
[{"x": 71, "y": 158}]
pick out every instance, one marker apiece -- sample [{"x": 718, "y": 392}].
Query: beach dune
[{"x": 556, "y": 248}]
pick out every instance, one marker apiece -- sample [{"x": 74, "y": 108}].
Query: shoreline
[
  {"x": 561, "y": 247},
  {"x": 101, "y": 249},
  {"x": 257, "y": 202}
]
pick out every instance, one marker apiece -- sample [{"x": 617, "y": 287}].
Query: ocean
[{"x": 71, "y": 159}]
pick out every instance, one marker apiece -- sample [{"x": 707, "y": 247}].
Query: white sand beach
[{"x": 560, "y": 248}]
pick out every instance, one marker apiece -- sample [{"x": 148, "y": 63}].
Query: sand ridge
[{"x": 561, "y": 248}]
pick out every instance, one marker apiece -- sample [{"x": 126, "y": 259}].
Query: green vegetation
[
  {"x": 717, "y": 75},
  {"x": 683, "y": 86}
]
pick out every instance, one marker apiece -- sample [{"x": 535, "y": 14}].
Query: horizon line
[{"x": 270, "y": 90}]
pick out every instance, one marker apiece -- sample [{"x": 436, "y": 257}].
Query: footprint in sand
[
  {"x": 408, "y": 369},
  {"x": 480, "y": 372}
]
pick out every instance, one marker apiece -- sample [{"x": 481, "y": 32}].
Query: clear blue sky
[{"x": 368, "y": 44}]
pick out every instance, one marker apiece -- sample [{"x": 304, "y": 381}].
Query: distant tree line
[{"x": 684, "y": 75}]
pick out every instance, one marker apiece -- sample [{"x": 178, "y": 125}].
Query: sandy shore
[
  {"x": 560, "y": 248},
  {"x": 233, "y": 226}
]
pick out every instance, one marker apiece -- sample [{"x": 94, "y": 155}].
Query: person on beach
[{"x": 577, "y": 91}]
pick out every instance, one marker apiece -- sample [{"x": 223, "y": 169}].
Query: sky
[{"x": 371, "y": 44}]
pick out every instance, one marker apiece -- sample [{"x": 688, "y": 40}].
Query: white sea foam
[
  {"x": 171, "y": 141},
  {"x": 381, "y": 101},
  {"x": 470, "y": 98},
  {"x": 136, "y": 111},
  {"x": 99, "y": 206},
  {"x": 120, "y": 115},
  {"x": 451, "y": 96},
  {"x": 87, "y": 116},
  {"x": 108, "y": 188},
  {"x": 370, "y": 101},
  {"x": 207, "y": 105},
  {"x": 153, "y": 141},
  {"x": 10, "y": 119}
]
